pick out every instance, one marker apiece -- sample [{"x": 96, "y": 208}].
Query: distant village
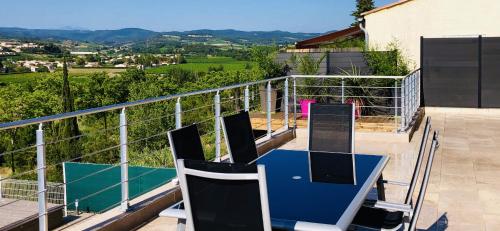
[{"x": 11, "y": 53}]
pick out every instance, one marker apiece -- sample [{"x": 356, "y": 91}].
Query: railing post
[
  {"x": 343, "y": 90},
  {"x": 408, "y": 102},
  {"x": 247, "y": 99},
  {"x": 178, "y": 114},
  {"x": 418, "y": 87},
  {"x": 413, "y": 95},
  {"x": 217, "y": 126},
  {"x": 403, "y": 107},
  {"x": 43, "y": 219},
  {"x": 269, "y": 118},
  {"x": 294, "y": 103},
  {"x": 124, "y": 160},
  {"x": 396, "y": 105},
  {"x": 285, "y": 102},
  {"x": 65, "y": 194}
]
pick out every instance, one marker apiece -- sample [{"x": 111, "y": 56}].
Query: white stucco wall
[{"x": 432, "y": 18}]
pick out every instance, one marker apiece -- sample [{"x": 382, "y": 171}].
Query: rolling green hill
[{"x": 129, "y": 35}]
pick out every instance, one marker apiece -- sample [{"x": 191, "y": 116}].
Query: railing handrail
[
  {"x": 413, "y": 72},
  {"x": 67, "y": 115},
  {"x": 348, "y": 76}
]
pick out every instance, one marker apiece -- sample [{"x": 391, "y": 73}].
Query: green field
[
  {"x": 110, "y": 71},
  {"x": 29, "y": 77},
  {"x": 79, "y": 74},
  {"x": 203, "y": 63}
]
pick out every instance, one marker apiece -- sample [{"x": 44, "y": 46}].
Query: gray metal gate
[
  {"x": 461, "y": 72},
  {"x": 490, "y": 73}
]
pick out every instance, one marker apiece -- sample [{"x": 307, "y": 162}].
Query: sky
[{"x": 181, "y": 15}]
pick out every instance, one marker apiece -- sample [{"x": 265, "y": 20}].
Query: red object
[
  {"x": 358, "y": 106},
  {"x": 304, "y": 106}
]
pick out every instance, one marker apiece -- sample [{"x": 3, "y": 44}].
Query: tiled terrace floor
[{"x": 464, "y": 190}]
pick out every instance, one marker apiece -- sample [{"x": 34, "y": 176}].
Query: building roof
[
  {"x": 316, "y": 41},
  {"x": 388, "y": 6}
]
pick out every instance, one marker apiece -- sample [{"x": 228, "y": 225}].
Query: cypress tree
[
  {"x": 70, "y": 149},
  {"x": 361, "y": 7}
]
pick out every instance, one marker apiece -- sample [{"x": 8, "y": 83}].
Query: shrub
[{"x": 388, "y": 63}]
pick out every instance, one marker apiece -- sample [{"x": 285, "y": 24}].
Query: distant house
[
  {"x": 33, "y": 68},
  {"x": 406, "y": 20},
  {"x": 82, "y": 53},
  {"x": 92, "y": 64}
]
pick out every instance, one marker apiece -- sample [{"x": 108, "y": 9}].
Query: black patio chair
[
  {"x": 392, "y": 216},
  {"x": 336, "y": 168},
  {"x": 239, "y": 138},
  {"x": 331, "y": 127},
  {"x": 224, "y": 196},
  {"x": 185, "y": 143},
  {"x": 416, "y": 169}
]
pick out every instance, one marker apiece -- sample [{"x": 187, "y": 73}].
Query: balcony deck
[
  {"x": 363, "y": 124},
  {"x": 464, "y": 190}
]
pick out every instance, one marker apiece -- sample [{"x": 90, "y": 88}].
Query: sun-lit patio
[{"x": 464, "y": 192}]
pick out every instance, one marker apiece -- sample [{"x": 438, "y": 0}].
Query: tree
[
  {"x": 91, "y": 58},
  {"x": 265, "y": 56},
  {"x": 52, "y": 49},
  {"x": 69, "y": 128},
  {"x": 181, "y": 59},
  {"x": 80, "y": 61},
  {"x": 361, "y": 7},
  {"x": 43, "y": 69},
  {"x": 215, "y": 69}
]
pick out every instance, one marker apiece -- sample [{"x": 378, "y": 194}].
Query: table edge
[{"x": 349, "y": 214}]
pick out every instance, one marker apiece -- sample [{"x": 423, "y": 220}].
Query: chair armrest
[
  {"x": 388, "y": 205},
  {"x": 174, "y": 211},
  {"x": 398, "y": 183}
]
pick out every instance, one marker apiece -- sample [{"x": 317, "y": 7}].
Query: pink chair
[{"x": 304, "y": 106}]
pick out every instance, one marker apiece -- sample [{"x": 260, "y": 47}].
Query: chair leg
[
  {"x": 181, "y": 224},
  {"x": 381, "y": 189}
]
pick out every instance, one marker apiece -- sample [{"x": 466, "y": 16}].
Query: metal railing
[
  {"x": 393, "y": 97},
  {"x": 27, "y": 190}
]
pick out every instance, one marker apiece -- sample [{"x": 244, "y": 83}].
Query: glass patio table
[
  {"x": 300, "y": 201},
  {"x": 297, "y": 201}
]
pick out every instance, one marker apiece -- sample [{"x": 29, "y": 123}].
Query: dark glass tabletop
[{"x": 294, "y": 196}]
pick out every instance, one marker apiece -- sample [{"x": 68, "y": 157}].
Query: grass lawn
[{"x": 203, "y": 63}]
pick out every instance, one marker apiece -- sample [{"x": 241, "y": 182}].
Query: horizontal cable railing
[{"x": 135, "y": 133}]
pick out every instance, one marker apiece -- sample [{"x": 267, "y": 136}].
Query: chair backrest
[
  {"x": 418, "y": 164},
  {"x": 239, "y": 138},
  {"x": 425, "y": 181},
  {"x": 331, "y": 127},
  {"x": 336, "y": 168},
  {"x": 185, "y": 143},
  {"x": 224, "y": 196}
]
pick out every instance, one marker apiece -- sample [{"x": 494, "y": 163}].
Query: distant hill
[
  {"x": 129, "y": 35},
  {"x": 238, "y": 36},
  {"x": 96, "y": 36}
]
